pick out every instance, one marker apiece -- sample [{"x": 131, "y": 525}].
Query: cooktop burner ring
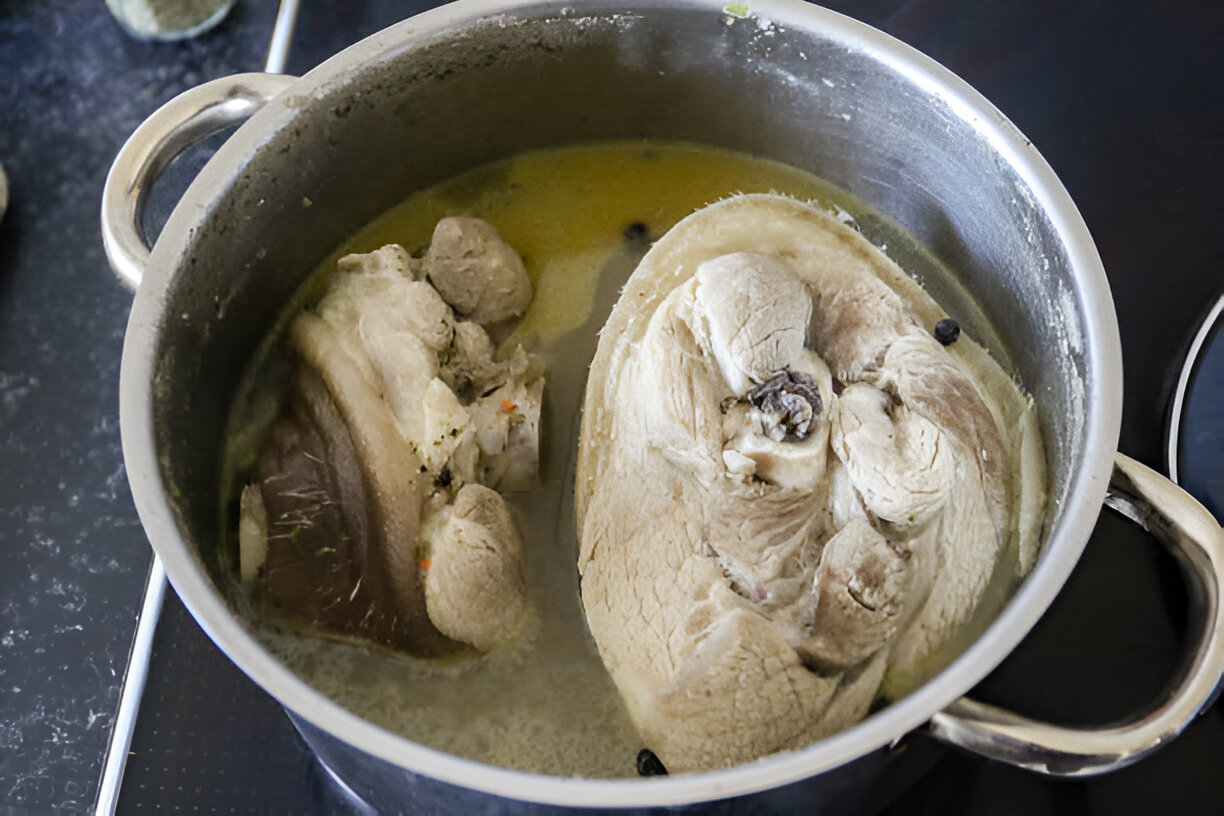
[{"x": 1195, "y": 451}]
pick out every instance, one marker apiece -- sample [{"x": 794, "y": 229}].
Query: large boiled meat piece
[
  {"x": 375, "y": 511},
  {"x": 791, "y": 499}
]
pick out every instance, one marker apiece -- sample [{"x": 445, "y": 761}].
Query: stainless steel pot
[{"x": 482, "y": 79}]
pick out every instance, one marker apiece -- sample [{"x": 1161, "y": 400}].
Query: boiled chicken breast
[{"x": 792, "y": 500}]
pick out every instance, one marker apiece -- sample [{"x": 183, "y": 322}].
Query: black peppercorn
[
  {"x": 648, "y": 764},
  {"x": 444, "y": 477},
  {"x": 947, "y": 331},
  {"x": 637, "y": 234}
]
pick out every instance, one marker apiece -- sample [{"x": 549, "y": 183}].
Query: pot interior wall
[{"x": 404, "y": 110}]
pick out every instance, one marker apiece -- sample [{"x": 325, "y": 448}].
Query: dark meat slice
[{"x": 328, "y": 565}]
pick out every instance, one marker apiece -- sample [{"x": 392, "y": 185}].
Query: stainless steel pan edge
[{"x": 154, "y": 316}]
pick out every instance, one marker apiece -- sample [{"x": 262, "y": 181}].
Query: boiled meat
[
  {"x": 374, "y": 513},
  {"x": 791, "y": 499}
]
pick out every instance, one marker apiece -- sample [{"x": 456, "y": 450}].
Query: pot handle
[
  {"x": 1197, "y": 540},
  {"x": 186, "y": 119}
]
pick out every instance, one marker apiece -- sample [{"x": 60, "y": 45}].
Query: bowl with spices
[{"x": 536, "y": 398}]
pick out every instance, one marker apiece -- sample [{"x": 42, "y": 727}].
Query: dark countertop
[
  {"x": 73, "y": 559},
  {"x": 1125, "y": 100}
]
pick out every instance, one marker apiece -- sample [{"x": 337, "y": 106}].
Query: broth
[{"x": 581, "y": 217}]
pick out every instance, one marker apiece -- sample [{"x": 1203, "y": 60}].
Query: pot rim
[{"x": 1061, "y": 549}]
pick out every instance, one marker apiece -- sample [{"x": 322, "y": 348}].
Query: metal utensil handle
[
  {"x": 1197, "y": 540},
  {"x": 189, "y": 117}
]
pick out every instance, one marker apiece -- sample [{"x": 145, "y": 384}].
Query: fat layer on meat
[{"x": 791, "y": 499}]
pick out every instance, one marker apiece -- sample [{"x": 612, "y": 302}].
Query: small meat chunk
[
  {"x": 475, "y": 588},
  {"x": 476, "y": 272}
]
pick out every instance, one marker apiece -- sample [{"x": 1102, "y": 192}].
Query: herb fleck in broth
[{"x": 581, "y": 217}]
